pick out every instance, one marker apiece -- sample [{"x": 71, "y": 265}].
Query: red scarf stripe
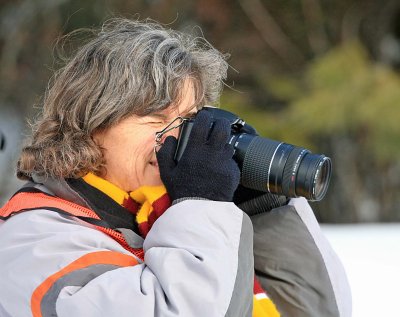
[
  {"x": 131, "y": 205},
  {"x": 162, "y": 203},
  {"x": 144, "y": 228},
  {"x": 257, "y": 287}
]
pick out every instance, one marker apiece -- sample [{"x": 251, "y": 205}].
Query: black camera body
[{"x": 269, "y": 165}]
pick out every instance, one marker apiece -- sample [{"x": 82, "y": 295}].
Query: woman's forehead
[
  {"x": 187, "y": 102},
  {"x": 174, "y": 110}
]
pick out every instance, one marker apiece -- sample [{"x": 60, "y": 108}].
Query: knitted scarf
[{"x": 148, "y": 203}]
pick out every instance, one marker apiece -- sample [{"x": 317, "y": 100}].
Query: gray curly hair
[{"x": 129, "y": 68}]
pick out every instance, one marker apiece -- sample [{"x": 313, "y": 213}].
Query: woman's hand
[
  {"x": 206, "y": 168},
  {"x": 254, "y": 202}
]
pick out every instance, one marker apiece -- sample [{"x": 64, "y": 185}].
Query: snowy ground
[{"x": 371, "y": 256}]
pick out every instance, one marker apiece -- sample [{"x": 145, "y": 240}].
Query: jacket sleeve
[
  {"x": 198, "y": 262},
  {"x": 296, "y": 265}
]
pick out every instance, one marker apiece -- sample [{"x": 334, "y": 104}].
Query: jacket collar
[{"x": 81, "y": 193}]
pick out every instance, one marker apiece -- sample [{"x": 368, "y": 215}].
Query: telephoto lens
[
  {"x": 269, "y": 165},
  {"x": 282, "y": 168}
]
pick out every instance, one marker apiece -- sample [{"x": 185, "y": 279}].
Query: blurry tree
[{"x": 309, "y": 72}]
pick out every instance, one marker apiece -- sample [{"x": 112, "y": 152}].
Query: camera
[{"x": 269, "y": 165}]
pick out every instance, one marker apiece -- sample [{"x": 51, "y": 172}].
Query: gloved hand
[
  {"x": 254, "y": 202},
  {"x": 206, "y": 168}
]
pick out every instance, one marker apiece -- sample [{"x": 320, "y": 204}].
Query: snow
[{"x": 371, "y": 256}]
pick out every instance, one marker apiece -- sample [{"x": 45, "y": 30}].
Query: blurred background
[{"x": 318, "y": 74}]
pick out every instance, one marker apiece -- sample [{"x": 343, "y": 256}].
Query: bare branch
[
  {"x": 271, "y": 32},
  {"x": 314, "y": 20}
]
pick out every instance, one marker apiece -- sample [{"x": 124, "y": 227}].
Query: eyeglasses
[{"x": 176, "y": 123}]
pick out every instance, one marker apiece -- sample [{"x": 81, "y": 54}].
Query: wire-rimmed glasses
[{"x": 176, "y": 123}]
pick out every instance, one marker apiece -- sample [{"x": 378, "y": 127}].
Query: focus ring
[{"x": 257, "y": 162}]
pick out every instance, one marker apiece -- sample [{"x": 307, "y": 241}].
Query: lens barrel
[{"x": 281, "y": 168}]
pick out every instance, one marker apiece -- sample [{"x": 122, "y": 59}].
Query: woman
[{"x": 108, "y": 223}]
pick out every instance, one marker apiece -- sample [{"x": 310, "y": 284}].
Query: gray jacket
[
  {"x": 296, "y": 264},
  {"x": 198, "y": 262}
]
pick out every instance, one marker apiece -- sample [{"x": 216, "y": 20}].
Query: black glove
[
  {"x": 254, "y": 202},
  {"x": 206, "y": 168}
]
